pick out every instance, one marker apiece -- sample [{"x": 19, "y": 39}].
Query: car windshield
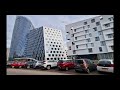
[
  {"x": 104, "y": 62},
  {"x": 79, "y": 61}
]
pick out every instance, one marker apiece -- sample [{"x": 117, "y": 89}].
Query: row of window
[
  {"x": 56, "y": 48},
  {"x": 55, "y": 52},
  {"x": 51, "y": 29},
  {"x": 53, "y": 42},
  {"x": 88, "y": 40},
  {"x": 53, "y": 34},
  {"x": 55, "y": 55},
  {"x": 56, "y": 58},
  {"x": 54, "y": 45},
  {"x": 92, "y": 44},
  {"x": 54, "y": 39},
  {"x": 89, "y": 50}
]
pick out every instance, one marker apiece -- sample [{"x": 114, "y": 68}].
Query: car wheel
[
  {"x": 48, "y": 67},
  {"x": 12, "y": 66},
  {"x": 28, "y": 66},
  {"x": 87, "y": 70},
  {"x": 76, "y": 70},
  {"x": 66, "y": 68}
]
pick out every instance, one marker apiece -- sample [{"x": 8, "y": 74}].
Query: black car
[{"x": 84, "y": 65}]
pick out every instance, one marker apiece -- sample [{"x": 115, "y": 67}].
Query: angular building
[
  {"x": 21, "y": 28},
  {"x": 45, "y": 44},
  {"x": 91, "y": 38}
]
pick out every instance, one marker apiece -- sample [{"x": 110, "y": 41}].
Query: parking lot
[{"x": 54, "y": 71}]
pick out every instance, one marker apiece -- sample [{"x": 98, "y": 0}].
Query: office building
[
  {"x": 21, "y": 28},
  {"x": 91, "y": 38},
  {"x": 45, "y": 43}
]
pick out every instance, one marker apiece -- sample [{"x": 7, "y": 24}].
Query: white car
[
  {"x": 49, "y": 64},
  {"x": 105, "y": 65}
]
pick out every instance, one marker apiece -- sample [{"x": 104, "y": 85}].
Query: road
[{"x": 13, "y": 71}]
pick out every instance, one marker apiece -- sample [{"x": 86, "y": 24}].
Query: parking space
[{"x": 55, "y": 70}]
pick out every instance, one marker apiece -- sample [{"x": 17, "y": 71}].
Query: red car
[
  {"x": 18, "y": 64},
  {"x": 65, "y": 64}
]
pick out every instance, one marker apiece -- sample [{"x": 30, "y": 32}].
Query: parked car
[
  {"x": 33, "y": 64},
  {"x": 65, "y": 64},
  {"x": 105, "y": 65},
  {"x": 84, "y": 65},
  {"x": 9, "y": 63},
  {"x": 18, "y": 64},
  {"x": 48, "y": 64}
]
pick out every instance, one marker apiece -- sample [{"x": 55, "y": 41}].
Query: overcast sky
[{"x": 53, "y": 21}]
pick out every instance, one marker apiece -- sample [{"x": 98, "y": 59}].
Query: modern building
[
  {"x": 45, "y": 43},
  {"x": 8, "y": 50},
  {"x": 91, "y": 38},
  {"x": 21, "y": 28}
]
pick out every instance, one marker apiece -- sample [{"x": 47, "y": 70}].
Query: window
[
  {"x": 77, "y": 46},
  {"x": 90, "y": 50},
  {"x": 48, "y": 41},
  {"x": 46, "y": 44},
  {"x": 47, "y": 58},
  {"x": 85, "y": 36},
  {"x": 50, "y": 51},
  {"x": 93, "y": 20},
  {"x": 88, "y": 40},
  {"x": 52, "y": 54},
  {"x": 88, "y": 26},
  {"x": 90, "y": 35},
  {"x": 101, "y": 18},
  {"x": 74, "y": 30},
  {"x": 59, "y": 45},
  {"x": 72, "y": 35},
  {"x": 64, "y": 58},
  {"x": 100, "y": 49},
  {"x": 56, "y": 45},
  {"x": 86, "y": 31},
  {"x": 62, "y": 55},
  {"x": 97, "y": 39},
  {"x": 107, "y": 25},
  {"x": 59, "y": 55},
  {"x": 57, "y": 51},
  {"x": 100, "y": 32},
  {"x": 54, "y": 42},
  {"x": 86, "y": 45},
  {"x": 54, "y": 58},
  {"x": 61, "y": 58},
  {"x": 53, "y": 45},
  {"x": 73, "y": 43},
  {"x": 110, "y": 19},
  {"x": 74, "y": 52},
  {"x": 56, "y": 54},
  {"x": 53, "y": 51},
  {"x": 97, "y": 23},
  {"x": 102, "y": 43},
  {"x": 60, "y": 51},
  {"x": 110, "y": 35},
  {"x": 51, "y": 42},
  {"x": 52, "y": 48},
  {"x": 69, "y": 47},
  {"x": 92, "y": 45},
  {"x": 95, "y": 28},
  {"x": 75, "y": 38},
  {"x": 112, "y": 47},
  {"x": 83, "y": 27},
  {"x": 85, "y": 23},
  {"x": 51, "y": 58},
  {"x": 49, "y": 54}
]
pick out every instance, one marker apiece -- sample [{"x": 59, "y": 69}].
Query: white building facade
[
  {"x": 91, "y": 38},
  {"x": 45, "y": 44}
]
